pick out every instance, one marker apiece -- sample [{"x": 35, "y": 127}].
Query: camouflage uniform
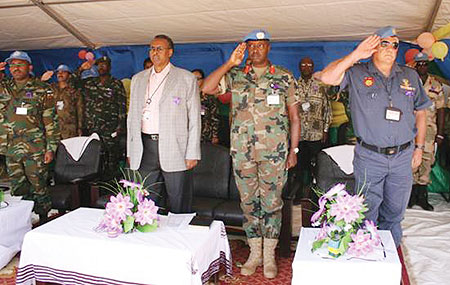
[
  {"x": 105, "y": 112},
  {"x": 436, "y": 94},
  {"x": 29, "y": 137},
  {"x": 69, "y": 107},
  {"x": 316, "y": 117},
  {"x": 259, "y": 145},
  {"x": 210, "y": 117}
]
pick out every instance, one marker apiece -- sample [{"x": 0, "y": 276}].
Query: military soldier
[
  {"x": 69, "y": 104},
  {"x": 315, "y": 111},
  {"x": 209, "y": 112},
  {"x": 105, "y": 112},
  {"x": 30, "y": 123},
  {"x": 434, "y": 133},
  {"x": 263, "y": 112},
  {"x": 388, "y": 105}
]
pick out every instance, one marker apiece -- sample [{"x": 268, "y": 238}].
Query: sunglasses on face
[
  {"x": 306, "y": 64},
  {"x": 385, "y": 44}
]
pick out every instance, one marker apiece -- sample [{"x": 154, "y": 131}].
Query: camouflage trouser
[
  {"x": 113, "y": 156},
  {"x": 260, "y": 186},
  {"x": 421, "y": 175},
  {"x": 28, "y": 176}
]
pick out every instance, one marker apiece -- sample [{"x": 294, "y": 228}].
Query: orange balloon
[{"x": 425, "y": 40}]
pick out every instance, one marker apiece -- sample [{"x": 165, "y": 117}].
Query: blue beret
[
  {"x": 257, "y": 35},
  {"x": 63, "y": 67},
  {"x": 93, "y": 72},
  {"x": 386, "y": 32},
  {"x": 19, "y": 55},
  {"x": 421, "y": 56}
]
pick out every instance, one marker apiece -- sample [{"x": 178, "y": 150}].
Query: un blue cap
[
  {"x": 92, "y": 72},
  {"x": 386, "y": 32},
  {"x": 63, "y": 67},
  {"x": 18, "y": 55},
  {"x": 257, "y": 35},
  {"x": 421, "y": 56}
]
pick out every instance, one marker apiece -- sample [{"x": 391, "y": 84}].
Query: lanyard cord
[{"x": 149, "y": 99}]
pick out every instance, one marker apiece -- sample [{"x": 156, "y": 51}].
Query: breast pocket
[{"x": 371, "y": 101}]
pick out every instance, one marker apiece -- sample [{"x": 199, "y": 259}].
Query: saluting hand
[
  {"x": 2, "y": 65},
  {"x": 86, "y": 65},
  {"x": 238, "y": 54},
  {"x": 47, "y": 75},
  {"x": 367, "y": 47}
]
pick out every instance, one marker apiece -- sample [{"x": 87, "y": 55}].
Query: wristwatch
[
  {"x": 420, "y": 146},
  {"x": 296, "y": 150}
]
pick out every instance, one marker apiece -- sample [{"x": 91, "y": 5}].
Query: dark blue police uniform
[{"x": 383, "y": 155}]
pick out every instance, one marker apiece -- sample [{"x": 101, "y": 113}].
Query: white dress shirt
[{"x": 150, "y": 112}]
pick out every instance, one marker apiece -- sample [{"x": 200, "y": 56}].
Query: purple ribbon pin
[
  {"x": 275, "y": 86},
  {"x": 409, "y": 93},
  {"x": 176, "y": 100},
  {"x": 29, "y": 94}
]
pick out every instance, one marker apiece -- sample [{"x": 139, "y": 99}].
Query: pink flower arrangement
[
  {"x": 341, "y": 220},
  {"x": 130, "y": 209}
]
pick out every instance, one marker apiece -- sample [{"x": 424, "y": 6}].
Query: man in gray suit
[{"x": 164, "y": 125}]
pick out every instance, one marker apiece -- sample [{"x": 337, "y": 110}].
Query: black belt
[
  {"x": 153, "y": 137},
  {"x": 390, "y": 150}
]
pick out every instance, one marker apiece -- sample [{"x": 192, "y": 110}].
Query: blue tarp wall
[{"x": 127, "y": 60}]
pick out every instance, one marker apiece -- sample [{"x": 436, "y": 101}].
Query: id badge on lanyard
[{"x": 393, "y": 114}]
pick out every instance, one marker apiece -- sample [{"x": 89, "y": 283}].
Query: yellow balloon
[
  {"x": 439, "y": 50},
  {"x": 442, "y": 32}
]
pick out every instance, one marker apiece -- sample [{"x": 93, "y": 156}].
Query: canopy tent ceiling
[{"x": 44, "y": 24}]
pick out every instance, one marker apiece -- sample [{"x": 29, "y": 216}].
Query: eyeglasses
[
  {"x": 157, "y": 49},
  {"x": 306, "y": 64},
  {"x": 18, "y": 65},
  {"x": 421, "y": 63},
  {"x": 385, "y": 44},
  {"x": 257, "y": 46}
]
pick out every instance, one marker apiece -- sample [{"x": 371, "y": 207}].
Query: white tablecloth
[
  {"x": 308, "y": 268},
  {"x": 15, "y": 222},
  {"x": 67, "y": 250}
]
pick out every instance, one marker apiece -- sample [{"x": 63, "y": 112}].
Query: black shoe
[
  {"x": 413, "y": 197},
  {"x": 422, "y": 198}
]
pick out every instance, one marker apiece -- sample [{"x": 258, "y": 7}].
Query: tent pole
[
  {"x": 66, "y": 25},
  {"x": 437, "y": 6},
  {"x": 54, "y": 3}
]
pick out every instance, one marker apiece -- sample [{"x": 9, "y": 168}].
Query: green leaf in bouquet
[
  {"x": 148, "y": 227},
  {"x": 341, "y": 223},
  {"x": 344, "y": 242},
  {"x": 128, "y": 224},
  {"x": 318, "y": 244}
]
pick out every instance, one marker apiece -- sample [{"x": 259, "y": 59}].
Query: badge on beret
[
  {"x": 260, "y": 35},
  {"x": 368, "y": 81}
]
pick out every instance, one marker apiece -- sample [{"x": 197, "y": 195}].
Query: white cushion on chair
[
  {"x": 75, "y": 146},
  {"x": 343, "y": 156}
]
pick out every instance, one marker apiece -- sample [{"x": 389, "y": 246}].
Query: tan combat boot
[
  {"x": 270, "y": 265},
  {"x": 255, "y": 258}
]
